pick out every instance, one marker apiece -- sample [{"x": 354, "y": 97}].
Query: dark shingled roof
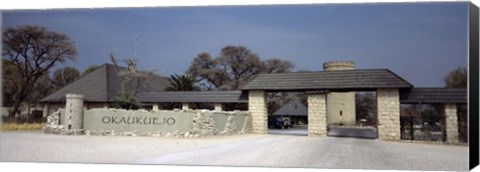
[
  {"x": 293, "y": 109},
  {"x": 434, "y": 95},
  {"x": 194, "y": 96},
  {"x": 352, "y": 80},
  {"x": 102, "y": 85}
]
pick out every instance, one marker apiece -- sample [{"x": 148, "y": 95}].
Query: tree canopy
[
  {"x": 235, "y": 66},
  {"x": 33, "y": 50},
  {"x": 89, "y": 69},
  {"x": 64, "y": 76},
  {"x": 456, "y": 78}
]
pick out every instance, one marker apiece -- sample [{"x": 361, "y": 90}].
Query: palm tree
[{"x": 181, "y": 83}]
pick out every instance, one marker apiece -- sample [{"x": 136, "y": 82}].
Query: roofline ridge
[
  {"x": 320, "y": 71},
  {"x": 443, "y": 88},
  {"x": 411, "y": 85},
  {"x": 66, "y": 86}
]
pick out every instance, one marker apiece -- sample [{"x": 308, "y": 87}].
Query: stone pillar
[
  {"x": 317, "y": 115},
  {"x": 257, "y": 105},
  {"x": 73, "y": 112},
  {"x": 218, "y": 107},
  {"x": 388, "y": 115},
  {"x": 185, "y": 106},
  {"x": 451, "y": 123}
]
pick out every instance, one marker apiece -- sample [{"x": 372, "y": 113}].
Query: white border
[
  {"x": 76, "y": 4},
  {"x": 69, "y": 4}
]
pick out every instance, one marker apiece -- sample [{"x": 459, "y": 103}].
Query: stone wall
[
  {"x": 121, "y": 120},
  {"x": 317, "y": 115},
  {"x": 50, "y": 108},
  {"x": 176, "y": 123},
  {"x": 388, "y": 107},
  {"x": 257, "y": 105},
  {"x": 451, "y": 123},
  {"x": 341, "y": 108}
]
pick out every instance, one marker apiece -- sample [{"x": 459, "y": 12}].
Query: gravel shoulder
[{"x": 241, "y": 150}]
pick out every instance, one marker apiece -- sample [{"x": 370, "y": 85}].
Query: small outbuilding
[{"x": 296, "y": 111}]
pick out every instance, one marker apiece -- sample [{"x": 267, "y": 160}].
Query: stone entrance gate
[
  {"x": 324, "y": 90},
  {"x": 319, "y": 85},
  {"x": 388, "y": 117}
]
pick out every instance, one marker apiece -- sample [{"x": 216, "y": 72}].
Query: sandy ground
[{"x": 243, "y": 150}]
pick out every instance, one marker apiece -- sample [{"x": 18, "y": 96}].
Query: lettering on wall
[{"x": 138, "y": 120}]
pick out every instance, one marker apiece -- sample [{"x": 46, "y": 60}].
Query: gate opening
[
  {"x": 352, "y": 114},
  {"x": 287, "y": 113}
]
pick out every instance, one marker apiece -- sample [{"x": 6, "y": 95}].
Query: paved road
[
  {"x": 244, "y": 150},
  {"x": 315, "y": 152}
]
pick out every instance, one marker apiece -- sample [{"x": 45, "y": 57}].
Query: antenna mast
[{"x": 135, "y": 47}]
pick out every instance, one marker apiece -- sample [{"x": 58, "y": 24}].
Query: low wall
[
  {"x": 138, "y": 120},
  {"x": 176, "y": 123}
]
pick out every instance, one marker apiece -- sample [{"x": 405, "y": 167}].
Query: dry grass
[{"x": 25, "y": 126}]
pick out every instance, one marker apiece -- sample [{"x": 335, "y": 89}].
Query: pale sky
[{"x": 421, "y": 42}]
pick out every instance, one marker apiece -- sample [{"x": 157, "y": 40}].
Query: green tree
[
  {"x": 235, "y": 66},
  {"x": 276, "y": 66},
  {"x": 457, "y": 78},
  {"x": 181, "y": 83},
  {"x": 64, "y": 76},
  {"x": 10, "y": 82},
  {"x": 89, "y": 69},
  {"x": 125, "y": 101},
  {"x": 34, "y": 50}
]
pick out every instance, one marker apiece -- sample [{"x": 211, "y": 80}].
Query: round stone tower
[
  {"x": 340, "y": 105},
  {"x": 338, "y": 65},
  {"x": 73, "y": 119}
]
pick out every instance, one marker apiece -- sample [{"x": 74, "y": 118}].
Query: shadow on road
[{"x": 366, "y": 133}]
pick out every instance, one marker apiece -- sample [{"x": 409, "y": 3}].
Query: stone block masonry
[
  {"x": 341, "y": 108},
  {"x": 176, "y": 123},
  {"x": 317, "y": 115},
  {"x": 73, "y": 112},
  {"x": 388, "y": 107},
  {"x": 257, "y": 105},
  {"x": 451, "y": 123}
]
